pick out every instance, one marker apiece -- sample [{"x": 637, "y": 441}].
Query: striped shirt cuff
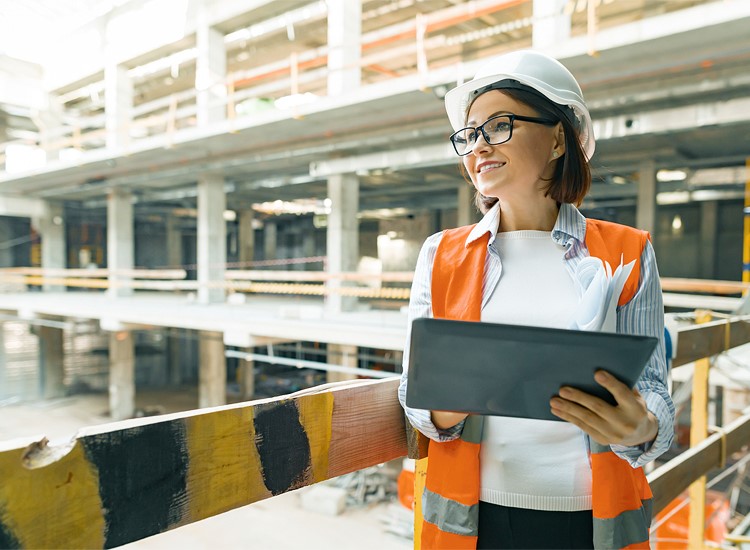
[
  {"x": 422, "y": 421},
  {"x": 641, "y": 455}
]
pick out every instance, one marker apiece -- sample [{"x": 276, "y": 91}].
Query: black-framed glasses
[{"x": 495, "y": 130}]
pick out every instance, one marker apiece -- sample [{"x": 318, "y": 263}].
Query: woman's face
[{"x": 517, "y": 168}]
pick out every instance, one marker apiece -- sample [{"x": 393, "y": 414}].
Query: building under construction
[{"x": 227, "y": 199}]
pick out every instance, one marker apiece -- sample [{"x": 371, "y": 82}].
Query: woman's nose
[{"x": 480, "y": 144}]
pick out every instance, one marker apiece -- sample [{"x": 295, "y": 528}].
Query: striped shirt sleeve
[
  {"x": 644, "y": 314},
  {"x": 420, "y": 305}
]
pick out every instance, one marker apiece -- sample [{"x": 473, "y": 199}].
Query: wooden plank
[
  {"x": 671, "y": 479},
  {"x": 671, "y": 284},
  {"x": 122, "y": 482},
  {"x": 695, "y": 301},
  {"x": 96, "y": 273},
  {"x": 318, "y": 276},
  {"x": 699, "y": 341}
]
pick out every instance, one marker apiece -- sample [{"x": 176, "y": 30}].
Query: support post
[
  {"x": 212, "y": 239},
  {"x": 51, "y": 228},
  {"x": 341, "y": 355},
  {"x": 551, "y": 23},
  {"x": 51, "y": 362},
  {"x": 698, "y": 432},
  {"x": 466, "y": 208},
  {"x": 121, "y": 375},
  {"x": 120, "y": 243},
  {"x": 746, "y": 232},
  {"x": 342, "y": 237},
  {"x": 174, "y": 352},
  {"x": 118, "y": 105},
  {"x": 645, "y": 217},
  {"x": 246, "y": 238},
  {"x": 174, "y": 243},
  {"x": 3, "y": 362},
  {"x": 246, "y": 375},
  {"x": 212, "y": 370},
  {"x": 211, "y": 73},
  {"x": 344, "y": 45},
  {"x": 270, "y": 240},
  {"x": 709, "y": 234}
]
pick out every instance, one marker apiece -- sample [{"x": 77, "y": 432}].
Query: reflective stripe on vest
[{"x": 621, "y": 497}]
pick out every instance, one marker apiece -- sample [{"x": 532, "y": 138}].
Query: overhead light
[
  {"x": 677, "y": 224},
  {"x": 298, "y": 206},
  {"x": 673, "y": 197},
  {"x": 671, "y": 175},
  {"x": 230, "y": 215}
]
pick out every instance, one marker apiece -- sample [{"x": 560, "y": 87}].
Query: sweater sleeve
[{"x": 420, "y": 305}]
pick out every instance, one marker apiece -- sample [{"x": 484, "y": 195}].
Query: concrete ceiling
[{"x": 635, "y": 90}]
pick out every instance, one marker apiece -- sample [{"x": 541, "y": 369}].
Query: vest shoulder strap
[{"x": 609, "y": 241}]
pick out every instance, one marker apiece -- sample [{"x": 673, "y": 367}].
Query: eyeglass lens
[{"x": 495, "y": 131}]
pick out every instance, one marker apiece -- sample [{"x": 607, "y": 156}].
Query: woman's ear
[{"x": 558, "y": 145}]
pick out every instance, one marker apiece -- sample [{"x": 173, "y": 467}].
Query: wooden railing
[
  {"x": 677, "y": 292},
  {"x": 125, "y": 481}
]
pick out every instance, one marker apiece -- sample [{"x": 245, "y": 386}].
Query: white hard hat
[{"x": 536, "y": 70}]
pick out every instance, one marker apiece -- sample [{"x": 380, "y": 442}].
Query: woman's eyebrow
[{"x": 502, "y": 112}]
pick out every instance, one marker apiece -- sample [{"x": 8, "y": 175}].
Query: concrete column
[
  {"x": 3, "y": 361},
  {"x": 344, "y": 45},
  {"x": 118, "y": 106},
  {"x": 210, "y": 72},
  {"x": 212, "y": 371},
  {"x": 121, "y": 375},
  {"x": 645, "y": 216},
  {"x": 709, "y": 239},
  {"x": 51, "y": 363},
  {"x": 174, "y": 243},
  {"x": 212, "y": 238},
  {"x": 467, "y": 211},
  {"x": 342, "y": 243},
  {"x": 551, "y": 23},
  {"x": 341, "y": 355},
  {"x": 51, "y": 229},
  {"x": 246, "y": 238},
  {"x": 6, "y": 234},
  {"x": 246, "y": 374},
  {"x": 308, "y": 242},
  {"x": 175, "y": 356},
  {"x": 270, "y": 240},
  {"x": 50, "y": 122},
  {"x": 120, "y": 244}
]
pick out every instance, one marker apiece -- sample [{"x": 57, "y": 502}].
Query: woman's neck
[{"x": 536, "y": 215}]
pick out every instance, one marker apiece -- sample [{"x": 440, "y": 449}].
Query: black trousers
[{"x": 504, "y": 527}]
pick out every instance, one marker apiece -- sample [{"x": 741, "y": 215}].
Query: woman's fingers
[
  {"x": 621, "y": 392},
  {"x": 627, "y": 423},
  {"x": 591, "y": 424}
]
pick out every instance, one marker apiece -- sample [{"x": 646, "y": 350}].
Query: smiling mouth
[{"x": 490, "y": 166}]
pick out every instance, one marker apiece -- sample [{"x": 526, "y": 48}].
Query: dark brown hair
[{"x": 572, "y": 178}]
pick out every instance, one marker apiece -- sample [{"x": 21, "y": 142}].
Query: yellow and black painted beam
[{"x": 122, "y": 482}]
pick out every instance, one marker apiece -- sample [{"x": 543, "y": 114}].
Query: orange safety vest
[{"x": 447, "y": 492}]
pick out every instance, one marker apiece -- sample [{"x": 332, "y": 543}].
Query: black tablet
[{"x": 512, "y": 370}]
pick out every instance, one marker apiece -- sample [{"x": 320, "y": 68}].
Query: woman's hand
[
  {"x": 628, "y": 423},
  {"x": 444, "y": 420}
]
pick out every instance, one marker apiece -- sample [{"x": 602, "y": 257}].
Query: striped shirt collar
[{"x": 570, "y": 223}]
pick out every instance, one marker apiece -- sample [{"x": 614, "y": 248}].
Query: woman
[{"x": 524, "y": 135}]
